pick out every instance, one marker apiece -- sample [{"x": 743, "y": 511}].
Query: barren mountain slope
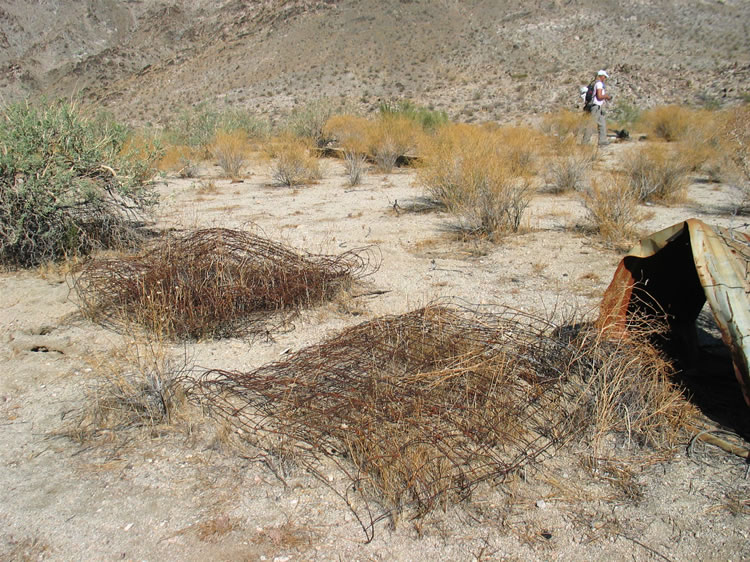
[{"x": 477, "y": 59}]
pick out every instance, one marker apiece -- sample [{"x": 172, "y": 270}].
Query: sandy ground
[{"x": 184, "y": 494}]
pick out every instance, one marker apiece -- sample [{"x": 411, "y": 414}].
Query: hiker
[{"x": 597, "y": 106}]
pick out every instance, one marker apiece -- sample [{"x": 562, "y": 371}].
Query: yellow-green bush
[
  {"x": 181, "y": 159},
  {"x": 390, "y": 137},
  {"x": 565, "y": 125},
  {"x": 352, "y": 134},
  {"x": 480, "y": 174},
  {"x": 230, "y": 148},
  {"x": 612, "y": 209},
  {"x": 292, "y": 162},
  {"x": 656, "y": 172}
]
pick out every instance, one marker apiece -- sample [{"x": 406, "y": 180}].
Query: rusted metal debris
[{"x": 678, "y": 269}]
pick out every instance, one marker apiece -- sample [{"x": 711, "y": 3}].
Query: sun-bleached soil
[{"x": 184, "y": 493}]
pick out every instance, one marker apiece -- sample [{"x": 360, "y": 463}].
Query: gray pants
[{"x": 597, "y": 113}]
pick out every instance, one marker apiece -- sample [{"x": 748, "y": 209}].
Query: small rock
[{"x": 541, "y": 504}]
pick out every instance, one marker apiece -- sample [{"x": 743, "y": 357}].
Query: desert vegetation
[
  {"x": 70, "y": 182},
  {"x": 400, "y": 414}
]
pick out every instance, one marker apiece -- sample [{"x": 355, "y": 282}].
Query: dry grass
[
  {"x": 230, "y": 148},
  {"x": 736, "y": 135},
  {"x": 414, "y": 411},
  {"x": 138, "y": 387},
  {"x": 481, "y": 175},
  {"x": 566, "y": 125},
  {"x": 212, "y": 283},
  {"x": 391, "y": 137},
  {"x": 569, "y": 169},
  {"x": 181, "y": 160},
  {"x": 612, "y": 210},
  {"x": 667, "y": 122},
  {"x": 657, "y": 173},
  {"x": 351, "y": 134},
  {"x": 293, "y": 164}
]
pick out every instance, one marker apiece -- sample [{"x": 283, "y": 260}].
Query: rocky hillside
[{"x": 477, "y": 59}]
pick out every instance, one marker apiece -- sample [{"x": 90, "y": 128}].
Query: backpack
[{"x": 588, "y": 100}]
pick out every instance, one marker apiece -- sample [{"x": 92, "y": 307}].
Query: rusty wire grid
[
  {"x": 414, "y": 410},
  {"x": 214, "y": 282}
]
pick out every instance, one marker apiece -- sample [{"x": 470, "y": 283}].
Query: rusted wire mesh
[
  {"x": 415, "y": 409},
  {"x": 213, "y": 283}
]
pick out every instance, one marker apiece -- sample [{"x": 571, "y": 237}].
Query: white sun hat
[{"x": 603, "y": 73}]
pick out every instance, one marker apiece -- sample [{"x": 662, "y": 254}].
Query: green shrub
[
  {"x": 428, "y": 119},
  {"x": 68, "y": 183},
  {"x": 308, "y": 121},
  {"x": 624, "y": 114},
  {"x": 197, "y": 127}
]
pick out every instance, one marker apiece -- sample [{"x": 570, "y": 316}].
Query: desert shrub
[
  {"x": 68, "y": 183},
  {"x": 390, "y": 137},
  {"x": 139, "y": 386},
  {"x": 612, "y": 209},
  {"x": 479, "y": 176},
  {"x": 292, "y": 162},
  {"x": 308, "y": 121},
  {"x": 211, "y": 283},
  {"x": 355, "y": 166},
  {"x": 674, "y": 122},
  {"x": 428, "y": 119},
  {"x": 230, "y": 149},
  {"x": 569, "y": 170},
  {"x": 623, "y": 114},
  {"x": 351, "y": 134},
  {"x": 196, "y": 127},
  {"x": 735, "y": 133},
  {"x": 564, "y": 125},
  {"x": 520, "y": 148},
  {"x": 656, "y": 173},
  {"x": 181, "y": 159}
]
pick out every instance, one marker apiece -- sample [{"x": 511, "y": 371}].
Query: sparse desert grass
[
  {"x": 656, "y": 172},
  {"x": 230, "y": 148},
  {"x": 612, "y": 209},
  {"x": 480, "y": 174},
  {"x": 569, "y": 168},
  {"x": 293, "y": 164},
  {"x": 211, "y": 283},
  {"x": 140, "y": 386}
]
